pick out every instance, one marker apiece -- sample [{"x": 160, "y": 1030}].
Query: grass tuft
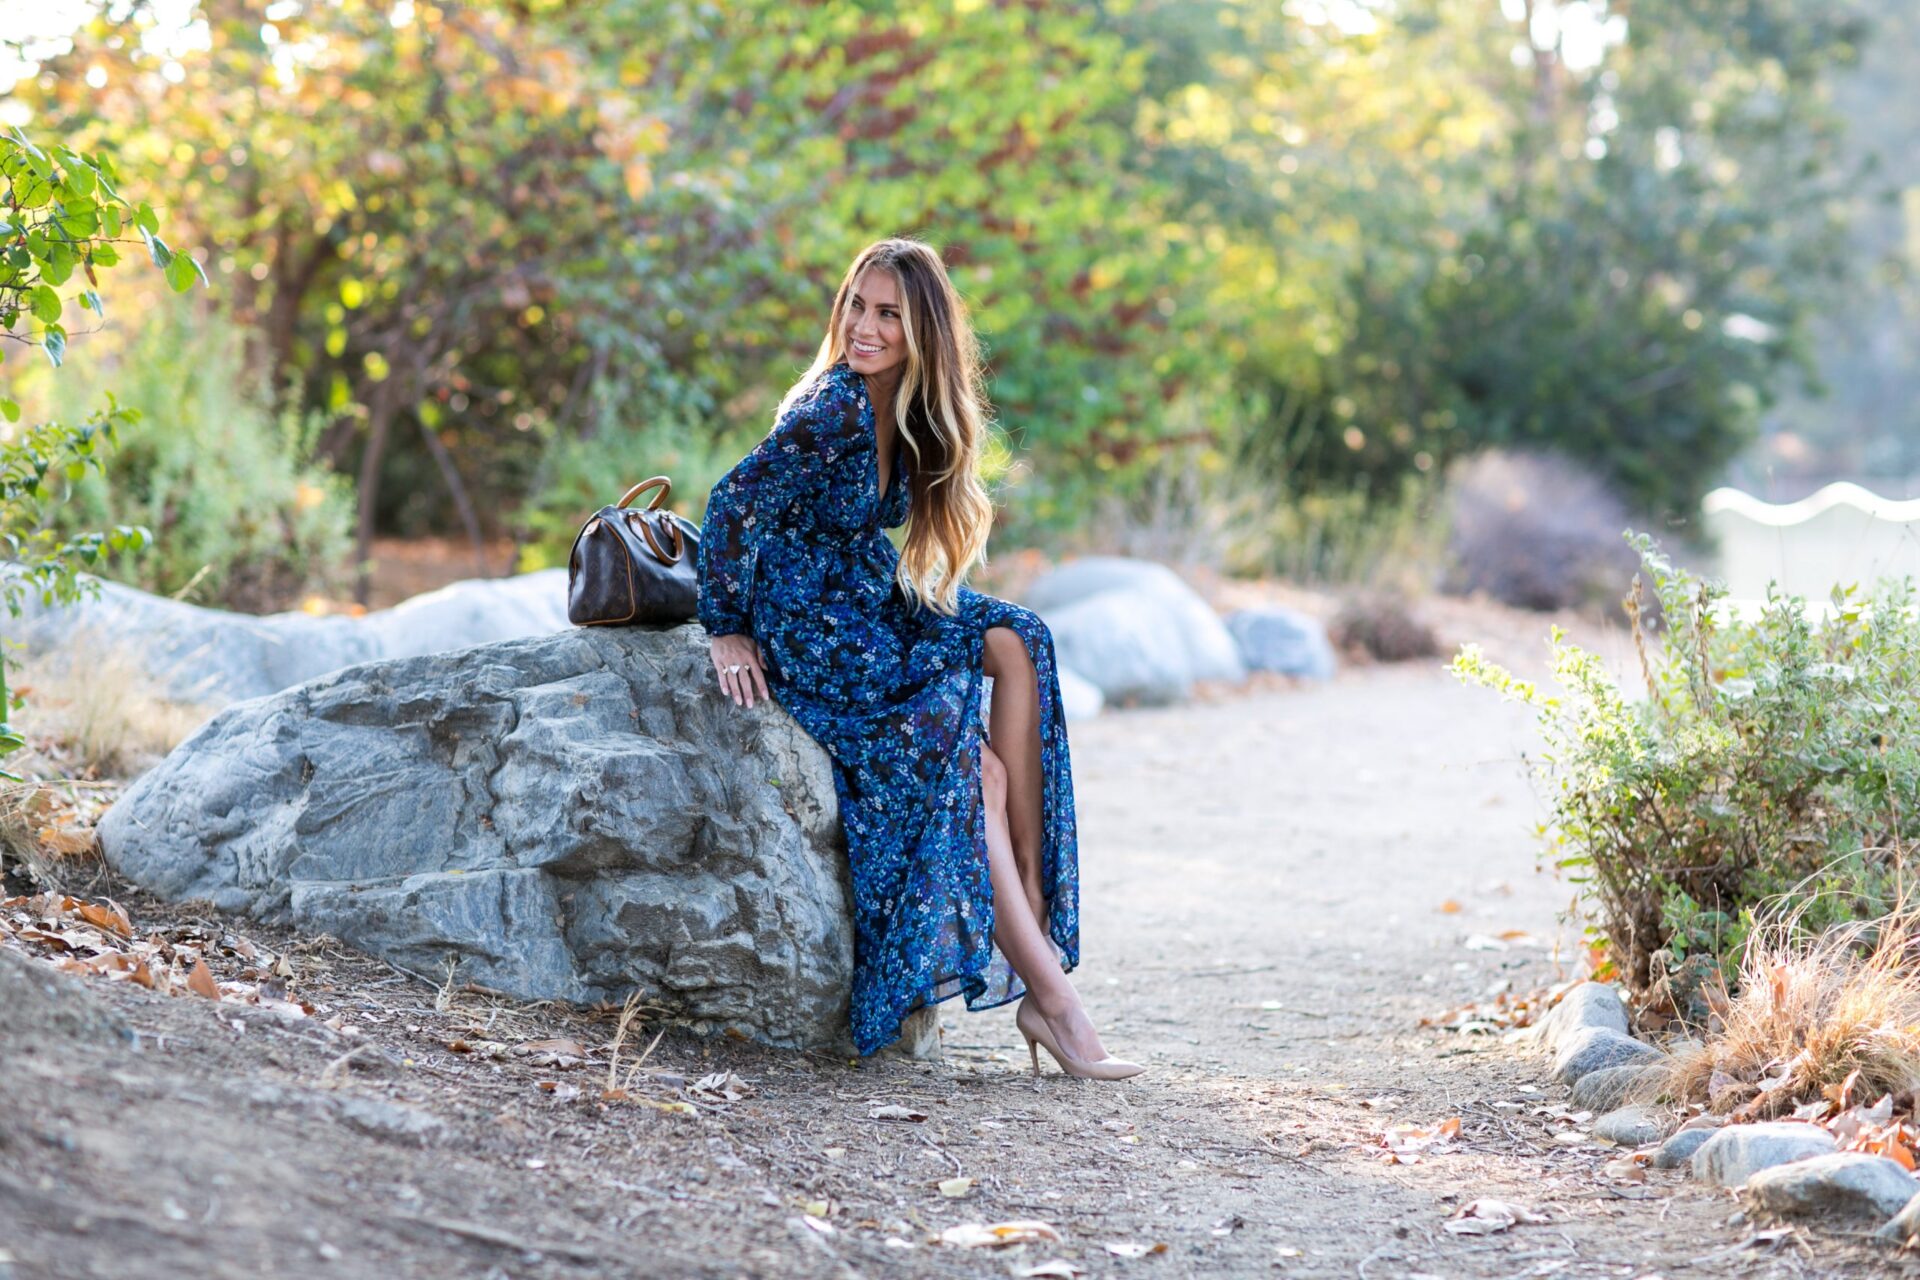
[
  {"x": 101, "y": 717},
  {"x": 1813, "y": 1013}
]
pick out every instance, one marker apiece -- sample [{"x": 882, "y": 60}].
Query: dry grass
[
  {"x": 92, "y": 711},
  {"x": 1811, "y": 1013}
]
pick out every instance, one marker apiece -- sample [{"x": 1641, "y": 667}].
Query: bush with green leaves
[
  {"x": 1772, "y": 768},
  {"x": 60, "y": 214},
  {"x": 239, "y": 518}
]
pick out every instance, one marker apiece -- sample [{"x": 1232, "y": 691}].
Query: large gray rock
[
  {"x": 216, "y": 657},
  {"x": 1134, "y": 629},
  {"x": 1737, "y": 1152},
  {"x": 1844, "y": 1184},
  {"x": 1614, "y": 1087},
  {"x": 1087, "y": 576},
  {"x": 564, "y": 817},
  {"x": 1594, "y": 1049},
  {"x": 1284, "y": 640},
  {"x": 1586, "y": 1004}
]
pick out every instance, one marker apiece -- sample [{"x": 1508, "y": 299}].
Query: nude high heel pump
[{"x": 1035, "y": 1030}]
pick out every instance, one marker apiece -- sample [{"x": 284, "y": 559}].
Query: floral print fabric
[{"x": 793, "y": 552}]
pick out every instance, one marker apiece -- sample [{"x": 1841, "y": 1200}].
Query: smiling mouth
[{"x": 861, "y": 348}]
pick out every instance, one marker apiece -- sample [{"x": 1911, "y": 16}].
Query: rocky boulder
[
  {"x": 212, "y": 656},
  {"x": 1737, "y": 1152},
  {"x": 1595, "y": 1049},
  {"x": 1284, "y": 640},
  {"x": 1134, "y": 629},
  {"x": 563, "y": 817},
  {"x": 1843, "y": 1184}
]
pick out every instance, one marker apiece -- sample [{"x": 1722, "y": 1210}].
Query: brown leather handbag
[{"x": 634, "y": 566}]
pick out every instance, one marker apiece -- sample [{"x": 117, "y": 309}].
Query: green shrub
[
  {"x": 1774, "y": 767},
  {"x": 239, "y": 518}
]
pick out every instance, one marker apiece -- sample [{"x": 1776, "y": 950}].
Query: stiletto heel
[{"x": 1035, "y": 1029}]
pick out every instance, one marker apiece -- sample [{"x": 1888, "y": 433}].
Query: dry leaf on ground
[
  {"x": 721, "y": 1086},
  {"x": 1485, "y": 1217},
  {"x": 975, "y": 1235},
  {"x": 1405, "y": 1143},
  {"x": 894, "y": 1111},
  {"x": 200, "y": 981}
]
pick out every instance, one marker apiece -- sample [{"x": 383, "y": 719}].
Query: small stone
[
  {"x": 1845, "y": 1184},
  {"x": 1611, "y": 1088},
  {"x": 389, "y": 1119},
  {"x": 1595, "y": 1049},
  {"x": 1634, "y": 1126},
  {"x": 1589, "y": 1004},
  {"x": 1676, "y": 1152},
  {"x": 1735, "y": 1153}
]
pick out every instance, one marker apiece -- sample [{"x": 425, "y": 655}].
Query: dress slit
[{"x": 1039, "y": 763}]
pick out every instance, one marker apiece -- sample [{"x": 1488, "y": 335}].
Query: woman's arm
[{"x": 789, "y": 464}]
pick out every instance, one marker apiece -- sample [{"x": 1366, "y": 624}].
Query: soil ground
[{"x": 1266, "y": 880}]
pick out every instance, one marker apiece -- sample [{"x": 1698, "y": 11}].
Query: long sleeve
[{"x": 747, "y": 503}]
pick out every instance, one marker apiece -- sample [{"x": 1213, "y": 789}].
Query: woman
[{"x": 965, "y": 865}]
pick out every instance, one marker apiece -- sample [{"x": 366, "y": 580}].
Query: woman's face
[{"x": 876, "y": 338}]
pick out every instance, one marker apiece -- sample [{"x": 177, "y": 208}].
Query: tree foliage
[
  {"x": 1450, "y": 228},
  {"x": 1334, "y": 244},
  {"x": 65, "y": 220}
]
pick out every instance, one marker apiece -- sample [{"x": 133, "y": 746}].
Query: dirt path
[{"x": 1263, "y": 877}]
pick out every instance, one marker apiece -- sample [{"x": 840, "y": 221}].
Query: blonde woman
[{"x": 963, "y": 849}]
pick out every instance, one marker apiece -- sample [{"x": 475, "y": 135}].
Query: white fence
[{"x": 1843, "y": 534}]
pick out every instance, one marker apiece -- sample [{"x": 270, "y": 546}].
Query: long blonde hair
[{"x": 940, "y": 412}]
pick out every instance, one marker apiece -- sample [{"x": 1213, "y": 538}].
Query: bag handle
[
  {"x": 665, "y": 485},
  {"x": 660, "y": 553}
]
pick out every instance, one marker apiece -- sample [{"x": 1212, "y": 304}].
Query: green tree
[{"x": 1443, "y": 228}]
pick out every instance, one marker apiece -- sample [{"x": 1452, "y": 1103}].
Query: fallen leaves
[
  {"x": 956, "y": 1187},
  {"x": 96, "y": 938},
  {"x": 562, "y": 1053},
  {"x": 1128, "y": 1249},
  {"x": 894, "y": 1111},
  {"x": 1501, "y": 1011},
  {"x": 1406, "y": 1143},
  {"x": 721, "y": 1086},
  {"x": 1631, "y": 1167},
  {"x": 1873, "y": 1130},
  {"x": 1485, "y": 1217},
  {"x": 983, "y": 1235},
  {"x": 200, "y": 980}
]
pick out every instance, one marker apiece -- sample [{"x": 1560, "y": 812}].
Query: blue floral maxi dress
[{"x": 793, "y": 553}]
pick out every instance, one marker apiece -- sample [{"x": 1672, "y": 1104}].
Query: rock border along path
[{"x": 1786, "y": 1169}]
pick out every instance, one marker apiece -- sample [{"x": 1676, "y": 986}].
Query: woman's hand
[{"x": 737, "y": 659}]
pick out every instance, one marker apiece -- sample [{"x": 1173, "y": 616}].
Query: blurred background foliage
[{"x": 478, "y": 267}]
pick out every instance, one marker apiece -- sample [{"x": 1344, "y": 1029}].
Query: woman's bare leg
[
  {"x": 1017, "y": 930},
  {"x": 1014, "y": 721}
]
